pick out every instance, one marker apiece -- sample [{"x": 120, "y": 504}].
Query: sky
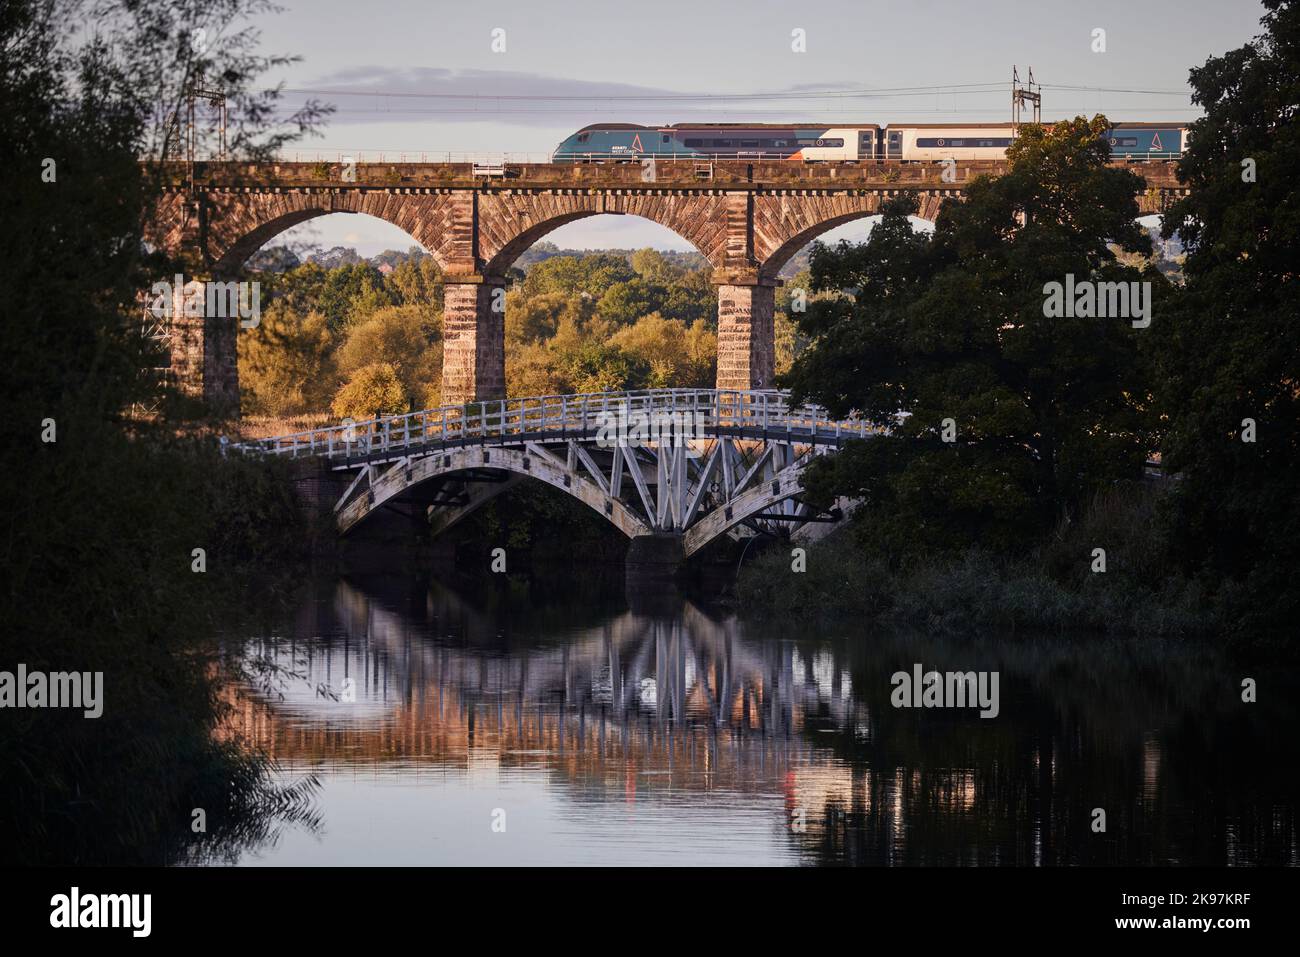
[{"x": 561, "y": 65}]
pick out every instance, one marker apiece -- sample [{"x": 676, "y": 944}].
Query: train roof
[
  {"x": 825, "y": 124},
  {"x": 821, "y": 124},
  {"x": 949, "y": 126},
  {"x": 1145, "y": 125}
]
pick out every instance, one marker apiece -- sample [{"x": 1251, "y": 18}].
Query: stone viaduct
[{"x": 747, "y": 219}]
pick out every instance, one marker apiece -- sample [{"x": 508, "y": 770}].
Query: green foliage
[
  {"x": 626, "y": 302},
  {"x": 1046, "y": 409},
  {"x": 560, "y": 325},
  {"x": 286, "y": 364},
  {"x": 1232, "y": 350},
  {"x": 603, "y": 367},
  {"x": 373, "y": 390},
  {"x": 1052, "y": 588},
  {"x": 403, "y": 338},
  {"x": 104, "y": 520},
  {"x": 675, "y": 354},
  {"x": 580, "y": 322},
  {"x": 351, "y": 294},
  {"x": 418, "y": 282},
  {"x": 593, "y": 275}
]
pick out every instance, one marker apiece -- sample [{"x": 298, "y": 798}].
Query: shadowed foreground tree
[
  {"x": 1230, "y": 361},
  {"x": 1004, "y": 416},
  {"x": 98, "y": 557}
]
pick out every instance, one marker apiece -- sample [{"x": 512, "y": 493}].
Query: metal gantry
[{"x": 695, "y": 463}]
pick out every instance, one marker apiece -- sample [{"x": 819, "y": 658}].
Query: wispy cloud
[{"x": 380, "y": 94}]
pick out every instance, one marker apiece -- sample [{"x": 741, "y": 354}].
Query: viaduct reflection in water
[{"x": 680, "y": 708}]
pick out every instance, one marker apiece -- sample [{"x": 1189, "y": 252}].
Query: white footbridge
[{"x": 693, "y": 464}]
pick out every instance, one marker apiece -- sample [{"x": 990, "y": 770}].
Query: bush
[
  {"x": 1052, "y": 588},
  {"x": 403, "y": 337},
  {"x": 285, "y": 367},
  {"x": 373, "y": 390}
]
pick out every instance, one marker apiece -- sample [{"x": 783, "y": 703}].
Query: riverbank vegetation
[
  {"x": 1042, "y": 589},
  {"x": 122, "y": 533},
  {"x": 1009, "y": 487}
]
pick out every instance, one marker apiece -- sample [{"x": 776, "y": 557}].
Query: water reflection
[{"x": 668, "y": 734}]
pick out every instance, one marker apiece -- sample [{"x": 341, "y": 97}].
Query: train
[{"x": 919, "y": 143}]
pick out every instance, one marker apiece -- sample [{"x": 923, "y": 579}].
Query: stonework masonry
[
  {"x": 474, "y": 342},
  {"x": 747, "y": 219},
  {"x": 746, "y": 337}
]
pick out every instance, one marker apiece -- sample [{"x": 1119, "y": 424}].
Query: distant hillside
[
  {"x": 283, "y": 258},
  {"x": 542, "y": 251}
]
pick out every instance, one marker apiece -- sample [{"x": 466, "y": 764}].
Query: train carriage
[
  {"x": 843, "y": 143},
  {"x": 1143, "y": 141},
  {"x": 627, "y": 142},
  {"x": 936, "y": 142}
]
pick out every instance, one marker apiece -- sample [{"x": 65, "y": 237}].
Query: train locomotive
[{"x": 921, "y": 143}]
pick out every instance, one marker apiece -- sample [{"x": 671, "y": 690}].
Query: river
[{"x": 516, "y": 722}]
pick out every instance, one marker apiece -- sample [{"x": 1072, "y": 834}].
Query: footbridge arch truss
[{"x": 692, "y": 464}]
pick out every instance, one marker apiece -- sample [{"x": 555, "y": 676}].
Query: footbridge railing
[
  {"x": 753, "y": 414},
  {"x": 688, "y": 464}
]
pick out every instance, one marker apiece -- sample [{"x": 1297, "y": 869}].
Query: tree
[
  {"x": 1001, "y": 418},
  {"x": 1232, "y": 355},
  {"x": 85, "y": 93},
  {"x": 418, "y": 281},
  {"x": 652, "y": 266},
  {"x": 676, "y": 356},
  {"x": 285, "y": 363},
  {"x": 531, "y": 319},
  {"x": 626, "y": 302},
  {"x": 692, "y": 298},
  {"x": 372, "y": 390},
  {"x": 601, "y": 367},
  {"x": 351, "y": 293},
  {"x": 575, "y": 275},
  {"x": 402, "y": 338}
]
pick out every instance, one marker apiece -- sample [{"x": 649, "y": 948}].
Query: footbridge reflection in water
[{"x": 672, "y": 735}]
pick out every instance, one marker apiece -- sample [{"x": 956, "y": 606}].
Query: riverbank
[
  {"x": 126, "y": 551},
  {"x": 1063, "y": 584}
]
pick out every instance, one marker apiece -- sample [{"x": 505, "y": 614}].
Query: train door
[
  {"x": 867, "y": 145},
  {"x": 894, "y": 145}
]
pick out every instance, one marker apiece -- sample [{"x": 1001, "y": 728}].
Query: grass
[{"x": 265, "y": 426}]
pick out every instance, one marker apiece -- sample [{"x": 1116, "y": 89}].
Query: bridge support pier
[
  {"x": 746, "y": 336},
  {"x": 654, "y": 559},
  {"x": 201, "y": 348},
  {"x": 473, "y": 340}
]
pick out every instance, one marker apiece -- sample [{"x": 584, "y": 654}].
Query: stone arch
[
  {"x": 248, "y": 222},
  {"x": 1155, "y": 200},
  {"x": 511, "y": 221},
  {"x": 231, "y": 225},
  {"x": 784, "y": 224}
]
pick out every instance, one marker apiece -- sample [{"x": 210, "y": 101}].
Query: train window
[
  {"x": 780, "y": 142},
  {"x": 749, "y": 143},
  {"x": 695, "y": 142},
  {"x": 931, "y": 142},
  {"x": 664, "y": 138},
  {"x": 583, "y": 137}
]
